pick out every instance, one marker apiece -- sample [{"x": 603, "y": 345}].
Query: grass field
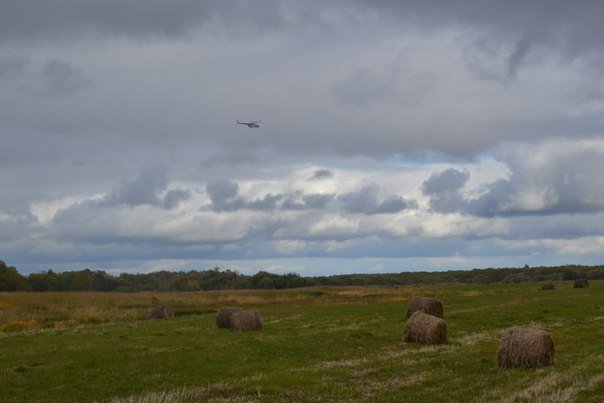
[{"x": 318, "y": 344}]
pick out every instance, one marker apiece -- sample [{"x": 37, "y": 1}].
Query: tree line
[{"x": 217, "y": 279}]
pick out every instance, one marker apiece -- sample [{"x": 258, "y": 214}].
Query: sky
[{"x": 395, "y": 135}]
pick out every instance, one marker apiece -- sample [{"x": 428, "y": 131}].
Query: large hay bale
[
  {"x": 160, "y": 312},
  {"x": 581, "y": 283},
  {"x": 244, "y": 320},
  {"x": 526, "y": 348},
  {"x": 223, "y": 318},
  {"x": 431, "y": 306},
  {"x": 548, "y": 286},
  {"x": 425, "y": 329}
]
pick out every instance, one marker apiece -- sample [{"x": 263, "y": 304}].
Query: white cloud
[
  {"x": 532, "y": 200},
  {"x": 334, "y": 226},
  {"x": 576, "y": 247}
]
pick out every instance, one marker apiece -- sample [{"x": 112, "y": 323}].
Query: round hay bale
[
  {"x": 581, "y": 283},
  {"x": 223, "y": 318},
  {"x": 425, "y": 329},
  {"x": 160, "y": 312},
  {"x": 431, "y": 306},
  {"x": 526, "y": 348},
  {"x": 244, "y": 320},
  {"x": 548, "y": 286}
]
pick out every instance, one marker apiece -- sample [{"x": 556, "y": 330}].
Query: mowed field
[{"x": 318, "y": 344}]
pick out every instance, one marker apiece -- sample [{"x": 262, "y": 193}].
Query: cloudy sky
[{"x": 395, "y": 135}]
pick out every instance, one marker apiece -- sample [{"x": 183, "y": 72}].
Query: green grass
[{"x": 317, "y": 344}]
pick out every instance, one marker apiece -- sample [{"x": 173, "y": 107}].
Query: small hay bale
[
  {"x": 431, "y": 306},
  {"x": 223, "y": 318},
  {"x": 160, "y": 312},
  {"x": 547, "y": 286},
  {"x": 581, "y": 283},
  {"x": 425, "y": 329},
  {"x": 526, "y": 348},
  {"x": 244, "y": 320}
]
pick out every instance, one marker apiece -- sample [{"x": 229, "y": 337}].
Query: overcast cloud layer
[{"x": 395, "y": 135}]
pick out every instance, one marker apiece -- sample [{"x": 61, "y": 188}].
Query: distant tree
[
  {"x": 178, "y": 283},
  {"x": 10, "y": 279},
  {"x": 45, "y": 281},
  {"x": 193, "y": 285},
  {"x": 263, "y": 280},
  {"x": 101, "y": 281},
  {"x": 82, "y": 281},
  {"x": 217, "y": 279},
  {"x": 516, "y": 278},
  {"x": 480, "y": 279},
  {"x": 570, "y": 275}
]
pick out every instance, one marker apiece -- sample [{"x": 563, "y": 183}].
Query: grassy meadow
[{"x": 318, "y": 344}]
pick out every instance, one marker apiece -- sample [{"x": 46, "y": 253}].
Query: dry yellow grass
[{"x": 26, "y": 311}]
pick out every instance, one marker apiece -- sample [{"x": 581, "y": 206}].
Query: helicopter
[{"x": 254, "y": 124}]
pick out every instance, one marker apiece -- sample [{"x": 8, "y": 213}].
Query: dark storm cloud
[
  {"x": 13, "y": 67},
  {"x": 143, "y": 189},
  {"x": 518, "y": 54},
  {"x": 392, "y": 83},
  {"x": 365, "y": 201},
  {"x": 174, "y": 197},
  {"x": 223, "y": 194},
  {"x": 321, "y": 174},
  {"x": 93, "y": 90},
  {"x": 299, "y": 201},
  {"x": 293, "y": 202},
  {"x": 566, "y": 182},
  {"x": 488, "y": 60},
  {"x": 127, "y": 89},
  {"x": 394, "y": 204},
  {"x": 317, "y": 201},
  {"x": 62, "y": 79},
  {"x": 572, "y": 25},
  {"x": 446, "y": 182},
  {"x": 71, "y": 20},
  {"x": 229, "y": 160},
  {"x": 54, "y": 78},
  {"x": 268, "y": 202},
  {"x": 444, "y": 189}
]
